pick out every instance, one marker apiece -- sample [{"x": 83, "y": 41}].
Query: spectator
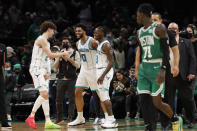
[
  {"x": 34, "y": 30},
  {"x": 182, "y": 82},
  {"x": 12, "y": 58},
  {"x": 132, "y": 48},
  {"x": 10, "y": 84},
  {"x": 131, "y": 97},
  {"x": 66, "y": 67},
  {"x": 120, "y": 90}
]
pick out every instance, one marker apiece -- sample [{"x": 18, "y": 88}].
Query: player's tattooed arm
[
  {"x": 94, "y": 44},
  {"x": 161, "y": 31}
]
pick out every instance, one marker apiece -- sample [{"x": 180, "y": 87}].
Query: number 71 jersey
[
  {"x": 88, "y": 55},
  {"x": 151, "y": 48}
]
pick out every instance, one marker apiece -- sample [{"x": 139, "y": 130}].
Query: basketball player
[
  {"x": 104, "y": 70},
  {"x": 40, "y": 71},
  {"x": 150, "y": 73},
  {"x": 87, "y": 77}
]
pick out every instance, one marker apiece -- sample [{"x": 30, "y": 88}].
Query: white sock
[
  {"x": 37, "y": 104},
  {"x": 110, "y": 117},
  {"x": 80, "y": 114},
  {"x": 106, "y": 115},
  {"x": 45, "y": 107}
]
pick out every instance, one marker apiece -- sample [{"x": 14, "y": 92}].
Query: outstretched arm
[{"x": 47, "y": 50}]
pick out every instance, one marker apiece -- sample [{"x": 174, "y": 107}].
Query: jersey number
[
  {"x": 147, "y": 52},
  {"x": 83, "y": 56}
]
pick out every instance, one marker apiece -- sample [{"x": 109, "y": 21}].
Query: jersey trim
[
  {"x": 157, "y": 37},
  {"x": 89, "y": 44},
  {"x": 84, "y": 42},
  {"x": 81, "y": 86}
]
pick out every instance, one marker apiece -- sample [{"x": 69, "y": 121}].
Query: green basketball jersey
[{"x": 150, "y": 43}]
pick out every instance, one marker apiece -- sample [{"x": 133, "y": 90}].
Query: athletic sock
[
  {"x": 45, "y": 107},
  {"x": 37, "y": 104},
  {"x": 80, "y": 114}
]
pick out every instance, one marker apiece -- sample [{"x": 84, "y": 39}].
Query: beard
[{"x": 81, "y": 36}]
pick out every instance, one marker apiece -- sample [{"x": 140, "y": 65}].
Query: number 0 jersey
[
  {"x": 151, "y": 48},
  {"x": 88, "y": 55}
]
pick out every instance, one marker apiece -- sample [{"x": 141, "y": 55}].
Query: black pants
[
  {"x": 131, "y": 104},
  {"x": 65, "y": 87},
  {"x": 97, "y": 105},
  {"x": 186, "y": 94},
  {"x": 3, "y": 113}
]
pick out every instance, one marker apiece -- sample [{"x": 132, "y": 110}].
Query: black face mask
[
  {"x": 65, "y": 46},
  {"x": 189, "y": 35}
]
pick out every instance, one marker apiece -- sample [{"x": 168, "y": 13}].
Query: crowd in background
[{"x": 23, "y": 27}]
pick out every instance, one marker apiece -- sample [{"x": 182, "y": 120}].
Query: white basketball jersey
[
  {"x": 39, "y": 59},
  {"x": 88, "y": 55},
  {"x": 101, "y": 57}
]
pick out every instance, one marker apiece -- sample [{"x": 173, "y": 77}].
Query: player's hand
[
  {"x": 100, "y": 79},
  {"x": 190, "y": 77},
  {"x": 160, "y": 77},
  {"x": 47, "y": 76},
  {"x": 175, "y": 71},
  {"x": 66, "y": 53}
]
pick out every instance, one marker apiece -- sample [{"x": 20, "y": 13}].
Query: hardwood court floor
[{"x": 124, "y": 125}]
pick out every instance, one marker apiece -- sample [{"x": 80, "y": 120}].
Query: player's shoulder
[{"x": 40, "y": 41}]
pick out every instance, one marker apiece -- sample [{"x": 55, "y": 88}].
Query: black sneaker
[
  {"x": 167, "y": 128},
  {"x": 6, "y": 126}
]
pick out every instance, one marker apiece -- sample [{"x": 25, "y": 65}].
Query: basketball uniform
[
  {"x": 101, "y": 64},
  {"x": 151, "y": 54},
  {"x": 87, "y": 76},
  {"x": 40, "y": 65}
]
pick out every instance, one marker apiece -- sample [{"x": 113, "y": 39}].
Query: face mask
[{"x": 189, "y": 35}]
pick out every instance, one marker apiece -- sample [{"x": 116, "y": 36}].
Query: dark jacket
[
  {"x": 66, "y": 69},
  {"x": 187, "y": 64},
  {"x": 10, "y": 80}
]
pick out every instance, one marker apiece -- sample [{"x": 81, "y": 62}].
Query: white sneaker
[
  {"x": 98, "y": 121},
  {"x": 110, "y": 124},
  {"x": 77, "y": 121}
]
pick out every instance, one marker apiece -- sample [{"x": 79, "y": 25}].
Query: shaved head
[{"x": 174, "y": 26}]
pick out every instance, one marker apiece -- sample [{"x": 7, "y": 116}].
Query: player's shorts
[
  {"x": 38, "y": 78},
  {"x": 87, "y": 79},
  {"x": 147, "y": 79},
  {"x": 103, "y": 89}
]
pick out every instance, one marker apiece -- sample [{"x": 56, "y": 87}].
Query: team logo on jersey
[
  {"x": 107, "y": 77},
  {"x": 37, "y": 75}
]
